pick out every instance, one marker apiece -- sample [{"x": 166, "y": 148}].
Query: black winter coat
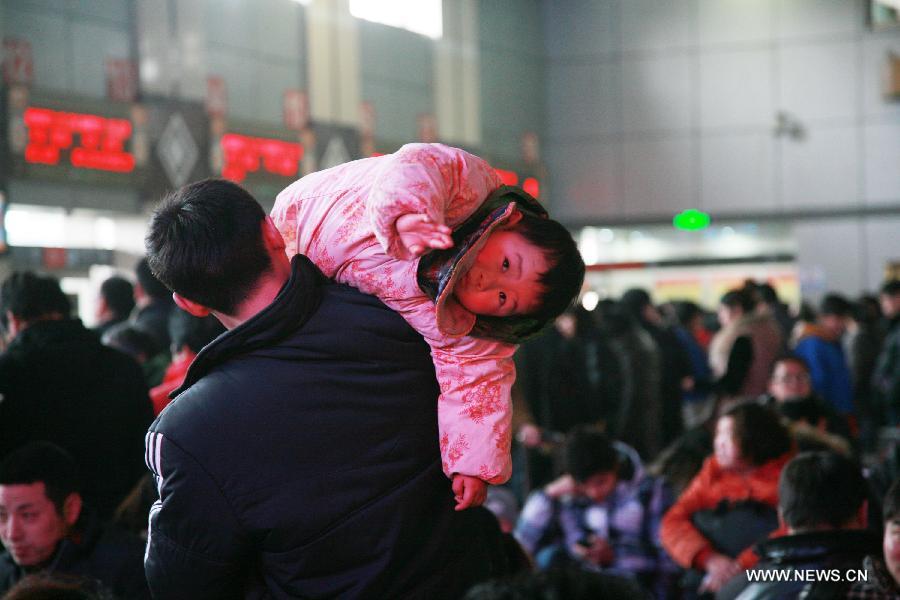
[
  {"x": 58, "y": 383},
  {"x": 300, "y": 460}
]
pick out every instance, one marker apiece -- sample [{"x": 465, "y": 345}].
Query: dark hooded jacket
[
  {"x": 300, "y": 460},
  {"x": 59, "y": 384}
]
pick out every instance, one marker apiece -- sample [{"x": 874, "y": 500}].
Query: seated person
[
  {"x": 883, "y": 574},
  {"x": 601, "y": 514},
  {"x": 45, "y": 527},
  {"x": 822, "y": 505},
  {"x": 731, "y": 501}
]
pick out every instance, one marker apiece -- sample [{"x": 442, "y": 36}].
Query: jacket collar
[
  {"x": 818, "y": 545},
  {"x": 294, "y": 304}
]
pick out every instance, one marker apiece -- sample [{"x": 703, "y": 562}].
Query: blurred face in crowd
[
  {"x": 599, "y": 486},
  {"x": 836, "y": 325},
  {"x": 890, "y": 305},
  {"x": 30, "y": 525},
  {"x": 726, "y": 446},
  {"x": 892, "y": 548},
  {"x": 728, "y": 314},
  {"x": 790, "y": 381}
]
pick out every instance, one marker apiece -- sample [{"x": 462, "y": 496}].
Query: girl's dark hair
[
  {"x": 759, "y": 432},
  {"x": 205, "y": 242},
  {"x": 891, "y": 505}
]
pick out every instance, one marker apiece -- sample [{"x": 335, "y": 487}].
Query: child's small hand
[
  {"x": 470, "y": 491},
  {"x": 419, "y": 234}
]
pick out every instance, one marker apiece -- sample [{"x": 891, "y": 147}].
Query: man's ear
[
  {"x": 271, "y": 235},
  {"x": 189, "y": 306},
  {"x": 72, "y": 508}
]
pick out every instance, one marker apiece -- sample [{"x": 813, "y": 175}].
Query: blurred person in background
[
  {"x": 696, "y": 406},
  {"x": 822, "y": 506},
  {"x": 883, "y": 568},
  {"x": 862, "y": 343},
  {"x": 60, "y": 384},
  {"x": 769, "y": 303},
  {"x": 633, "y": 416},
  {"x": 47, "y": 528},
  {"x": 189, "y": 335},
  {"x": 115, "y": 303},
  {"x": 566, "y": 378},
  {"x": 140, "y": 345},
  {"x": 731, "y": 503},
  {"x": 820, "y": 346},
  {"x": 675, "y": 366},
  {"x": 571, "y": 583},
  {"x": 743, "y": 350},
  {"x": 886, "y": 377},
  {"x": 154, "y": 305},
  {"x": 602, "y": 514}
]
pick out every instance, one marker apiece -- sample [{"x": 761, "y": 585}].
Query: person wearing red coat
[{"x": 751, "y": 448}]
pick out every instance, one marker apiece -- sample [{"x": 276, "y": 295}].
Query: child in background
[{"x": 474, "y": 267}]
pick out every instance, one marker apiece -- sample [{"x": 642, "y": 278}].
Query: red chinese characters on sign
[
  {"x": 530, "y": 185},
  {"x": 100, "y": 141},
  {"x": 242, "y": 154}
]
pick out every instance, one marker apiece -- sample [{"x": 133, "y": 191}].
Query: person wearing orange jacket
[{"x": 733, "y": 497}]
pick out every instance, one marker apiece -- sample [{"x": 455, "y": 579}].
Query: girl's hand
[
  {"x": 419, "y": 234},
  {"x": 470, "y": 491}
]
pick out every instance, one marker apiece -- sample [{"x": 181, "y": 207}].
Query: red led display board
[
  {"x": 91, "y": 141},
  {"x": 244, "y": 154}
]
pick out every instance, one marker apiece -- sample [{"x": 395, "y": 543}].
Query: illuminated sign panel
[
  {"x": 244, "y": 154},
  {"x": 530, "y": 184},
  {"x": 92, "y": 142}
]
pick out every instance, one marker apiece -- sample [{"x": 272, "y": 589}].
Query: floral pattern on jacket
[{"x": 344, "y": 219}]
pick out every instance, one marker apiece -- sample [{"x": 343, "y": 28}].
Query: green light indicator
[{"x": 691, "y": 220}]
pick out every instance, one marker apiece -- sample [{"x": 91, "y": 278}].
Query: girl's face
[
  {"x": 725, "y": 445},
  {"x": 503, "y": 280}
]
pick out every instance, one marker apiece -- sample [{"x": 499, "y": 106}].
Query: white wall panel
[
  {"x": 821, "y": 171},
  {"x": 882, "y": 163},
  {"x": 658, "y": 177},
  {"x": 654, "y": 25},
  {"x": 92, "y": 46},
  {"x": 576, "y": 28},
  {"x": 829, "y": 257},
  {"x": 657, "y": 93},
  {"x": 48, "y": 35},
  {"x": 584, "y": 99},
  {"x": 734, "y": 21},
  {"x": 817, "y": 18},
  {"x": 586, "y": 182},
  {"x": 736, "y": 89},
  {"x": 738, "y": 173},
  {"x": 819, "y": 81},
  {"x": 881, "y": 238}
]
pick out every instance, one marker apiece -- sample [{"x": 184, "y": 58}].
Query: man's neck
[{"x": 261, "y": 297}]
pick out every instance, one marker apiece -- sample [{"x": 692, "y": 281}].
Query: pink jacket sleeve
[
  {"x": 446, "y": 183},
  {"x": 474, "y": 409}
]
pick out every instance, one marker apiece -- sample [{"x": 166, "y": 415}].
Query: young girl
[{"x": 506, "y": 271}]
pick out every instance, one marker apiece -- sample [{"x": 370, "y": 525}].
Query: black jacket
[
  {"x": 300, "y": 460},
  {"x": 829, "y": 554},
  {"x": 57, "y": 383},
  {"x": 107, "y": 558}
]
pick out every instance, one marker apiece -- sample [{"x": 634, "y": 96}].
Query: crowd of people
[{"x": 658, "y": 451}]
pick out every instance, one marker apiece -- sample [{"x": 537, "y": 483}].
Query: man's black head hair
[
  {"x": 153, "y": 287},
  {"x": 562, "y": 281},
  {"x": 758, "y": 432},
  {"x": 634, "y": 301},
  {"x": 891, "y": 505},
  {"x": 205, "y": 242},
  {"x": 739, "y": 299},
  {"x": 42, "y": 462},
  {"x": 589, "y": 452},
  {"x": 835, "y": 304},
  {"x": 119, "y": 295},
  {"x": 686, "y": 311},
  {"x": 891, "y": 287},
  {"x": 132, "y": 340},
  {"x": 29, "y": 296},
  {"x": 820, "y": 489}
]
